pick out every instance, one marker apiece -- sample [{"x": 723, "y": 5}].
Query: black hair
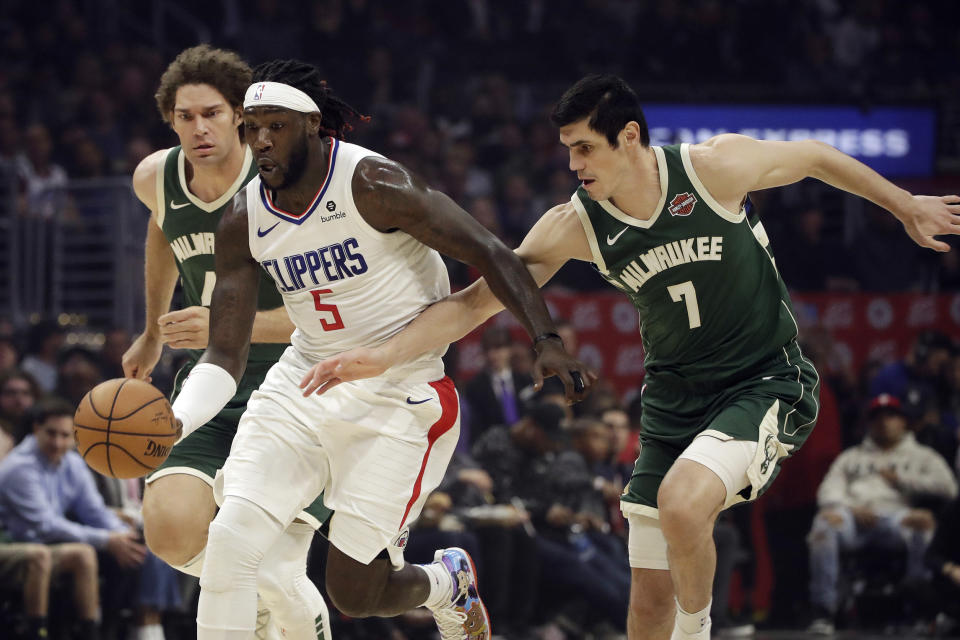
[
  {"x": 336, "y": 113},
  {"x": 77, "y": 350},
  {"x": 52, "y": 407},
  {"x": 608, "y": 101}
]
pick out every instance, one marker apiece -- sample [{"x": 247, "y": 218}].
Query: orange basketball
[{"x": 124, "y": 428}]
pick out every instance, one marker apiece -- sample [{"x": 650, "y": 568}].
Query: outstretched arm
[
  {"x": 233, "y": 307},
  {"x": 732, "y": 165},
  {"x": 390, "y": 197},
  {"x": 554, "y": 239}
]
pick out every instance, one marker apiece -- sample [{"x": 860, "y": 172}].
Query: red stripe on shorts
[{"x": 448, "y": 417}]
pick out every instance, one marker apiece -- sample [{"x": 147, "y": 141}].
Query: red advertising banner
[{"x": 864, "y": 326}]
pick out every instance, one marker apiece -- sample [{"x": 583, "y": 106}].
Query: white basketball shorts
[{"x": 376, "y": 448}]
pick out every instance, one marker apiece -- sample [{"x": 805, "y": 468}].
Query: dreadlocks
[{"x": 306, "y": 77}]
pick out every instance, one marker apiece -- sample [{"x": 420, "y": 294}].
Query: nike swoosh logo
[
  {"x": 610, "y": 240},
  {"x": 412, "y": 401},
  {"x": 262, "y": 233},
  {"x": 179, "y": 206}
]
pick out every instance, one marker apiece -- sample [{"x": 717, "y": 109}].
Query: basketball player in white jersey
[
  {"x": 350, "y": 239},
  {"x": 186, "y": 188}
]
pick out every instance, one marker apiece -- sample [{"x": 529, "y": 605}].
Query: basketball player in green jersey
[
  {"x": 186, "y": 188},
  {"x": 728, "y": 394}
]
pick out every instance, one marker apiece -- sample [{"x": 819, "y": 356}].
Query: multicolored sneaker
[{"x": 464, "y": 617}]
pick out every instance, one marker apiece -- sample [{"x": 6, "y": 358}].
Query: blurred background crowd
[{"x": 458, "y": 90}]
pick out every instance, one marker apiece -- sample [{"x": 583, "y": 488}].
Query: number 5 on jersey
[
  {"x": 685, "y": 292},
  {"x": 329, "y": 308}
]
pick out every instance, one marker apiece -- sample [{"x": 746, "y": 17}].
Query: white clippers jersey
[{"x": 344, "y": 283}]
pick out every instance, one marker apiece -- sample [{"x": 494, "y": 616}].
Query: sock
[
  {"x": 693, "y": 623},
  {"x": 150, "y": 632},
  {"x": 441, "y": 586},
  {"x": 37, "y": 628}
]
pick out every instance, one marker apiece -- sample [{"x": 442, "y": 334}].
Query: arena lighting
[{"x": 895, "y": 141}]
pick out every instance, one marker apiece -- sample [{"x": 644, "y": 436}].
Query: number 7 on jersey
[{"x": 686, "y": 293}]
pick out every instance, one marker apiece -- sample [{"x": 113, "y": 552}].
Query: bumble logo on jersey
[{"x": 326, "y": 264}]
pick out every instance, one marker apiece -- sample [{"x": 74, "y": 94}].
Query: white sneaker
[{"x": 821, "y": 627}]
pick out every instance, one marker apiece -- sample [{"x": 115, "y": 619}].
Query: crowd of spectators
[
  {"x": 533, "y": 493},
  {"x": 458, "y": 91},
  {"x": 71, "y": 544}
]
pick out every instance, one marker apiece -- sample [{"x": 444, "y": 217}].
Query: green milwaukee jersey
[
  {"x": 190, "y": 225},
  {"x": 712, "y": 305}
]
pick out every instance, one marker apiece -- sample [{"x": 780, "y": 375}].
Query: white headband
[{"x": 277, "y": 94}]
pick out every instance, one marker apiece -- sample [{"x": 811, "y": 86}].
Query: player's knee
[
  {"x": 680, "y": 517},
  {"x": 78, "y": 557},
  {"x": 171, "y": 532},
  {"x": 86, "y": 558},
  {"x": 231, "y": 561},
  {"x": 679, "y": 520},
  {"x": 39, "y": 559}
]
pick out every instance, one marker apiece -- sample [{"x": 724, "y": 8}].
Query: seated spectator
[
  {"x": 926, "y": 363},
  {"x": 623, "y": 452},
  {"x": 43, "y": 479},
  {"x": 44, "y": 340},
  {"x": 18, "y": 392},
  {"x": 594, "y": 439},
  {"x": 43, "y": 180},
  {"x": 531, "y": 462},
  {"x": 9, "y": 353},
  {"x": 116, "y": 341},
  {"x": 869, "y": 497},
  {"x": 158, "y": 587},
  {"x": 943, "y": 560},
  {"x": 35, "y": 566},
  {"x": 78, "y": 371},
  {"x": 929, "y": 424},
  {"x": 494, "y": 393},
  {"x": 509, "y": 565}
]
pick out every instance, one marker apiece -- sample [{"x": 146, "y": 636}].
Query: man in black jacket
[{"x": 493, "y": 395}]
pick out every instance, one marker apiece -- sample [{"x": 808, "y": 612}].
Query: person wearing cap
[{"x": 868, "y": 497}]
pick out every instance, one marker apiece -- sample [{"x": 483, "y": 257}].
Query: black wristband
[{"x": 546, "y": 336}]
